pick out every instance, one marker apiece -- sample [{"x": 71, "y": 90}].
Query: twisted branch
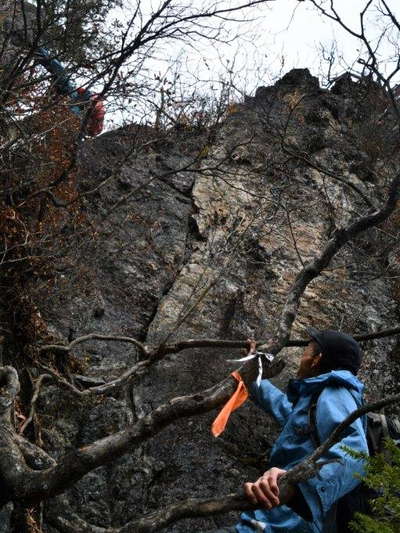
[
  {"x": 32, "y": 486},
  {"x": 62, "y": 349},
  {"x": 35, "y": 397},
  {"x": 197, "y": 507},
  {"x": 158, "y": 353},
  {"x": 314, "y": 267}
]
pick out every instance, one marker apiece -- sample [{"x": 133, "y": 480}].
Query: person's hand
[
  {"x": 265, "y": 490},
  {"x": 251, "y": 346},
  {"x": 270, "y": 370}
]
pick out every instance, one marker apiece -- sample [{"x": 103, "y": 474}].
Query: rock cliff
[{"x": 198, "y": 234}]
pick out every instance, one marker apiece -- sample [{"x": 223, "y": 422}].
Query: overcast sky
[
  {"x": 278, "y": 36},
  {"x": 289, "y": 34}
]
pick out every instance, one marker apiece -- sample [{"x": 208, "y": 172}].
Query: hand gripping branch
[{"x": 241, "y": 394}]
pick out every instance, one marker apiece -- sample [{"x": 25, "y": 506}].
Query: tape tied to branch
[
  {"x": 256, "y": 355},
  {"x": 241, "y": 394},
  {"x": 236, "y": 400}
]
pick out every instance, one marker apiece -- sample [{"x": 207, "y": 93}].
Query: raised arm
[{"x": 271, "y": 400}]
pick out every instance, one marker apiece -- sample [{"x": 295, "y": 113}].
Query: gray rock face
[
  {"x": 192, "y": 238},
  {"x": 5, "y": 514}
]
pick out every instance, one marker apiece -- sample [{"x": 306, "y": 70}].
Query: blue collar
[{"x": 309, "y": 386}]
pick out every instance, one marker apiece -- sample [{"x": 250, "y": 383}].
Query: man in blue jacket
[{"x": 327, "y": 371}]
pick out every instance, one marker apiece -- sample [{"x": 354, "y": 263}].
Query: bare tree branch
[
  {"x": 34, "y": 456},
  {"x": 232, "y": 344},
  {"x": 35, "y": 486},
  {"x": 9, "y": 388},
  {"x": 31, "y": 486},
  {"x": 301, "y": 156},
  {"x": 336, "y": 434},
  {"x": 35, "y": 397},
  {"x": 197, "y": 507},
  {"x": 159, "y": 352},
  {"x": 61, "y": 349},
  {"x": 108, "y": 387},
  {"x": 314, "y": 267}
]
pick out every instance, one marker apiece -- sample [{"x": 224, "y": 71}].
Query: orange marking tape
[{"x": 238, "y": 397}]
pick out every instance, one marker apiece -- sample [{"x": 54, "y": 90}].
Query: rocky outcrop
[{"x": 191, "y": 235}]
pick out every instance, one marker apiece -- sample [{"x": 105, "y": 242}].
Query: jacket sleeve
[
  {"x": 340, "y": 476},
  {"x": 271, "y": 400}
]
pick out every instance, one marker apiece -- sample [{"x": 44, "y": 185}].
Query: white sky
[
  {"x": 283, "y": 34},
  {"x": 289, "y": 34}
]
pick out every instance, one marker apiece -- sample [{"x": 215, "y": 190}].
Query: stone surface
[{"x": 210, "y": 251}]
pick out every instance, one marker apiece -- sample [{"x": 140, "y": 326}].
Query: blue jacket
[{"x": 340, "y": 394}]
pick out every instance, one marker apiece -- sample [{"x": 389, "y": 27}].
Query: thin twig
[
  {"x": 35, "y": 397},
  {"x": 157, "y": 353},
  {"x": 294, "y": 238},
  {"x": 59, "y": 348},
  {"x": 197, "y": 507}
]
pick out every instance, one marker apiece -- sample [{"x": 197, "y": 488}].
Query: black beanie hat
[{"x": 339, "y": 351}]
